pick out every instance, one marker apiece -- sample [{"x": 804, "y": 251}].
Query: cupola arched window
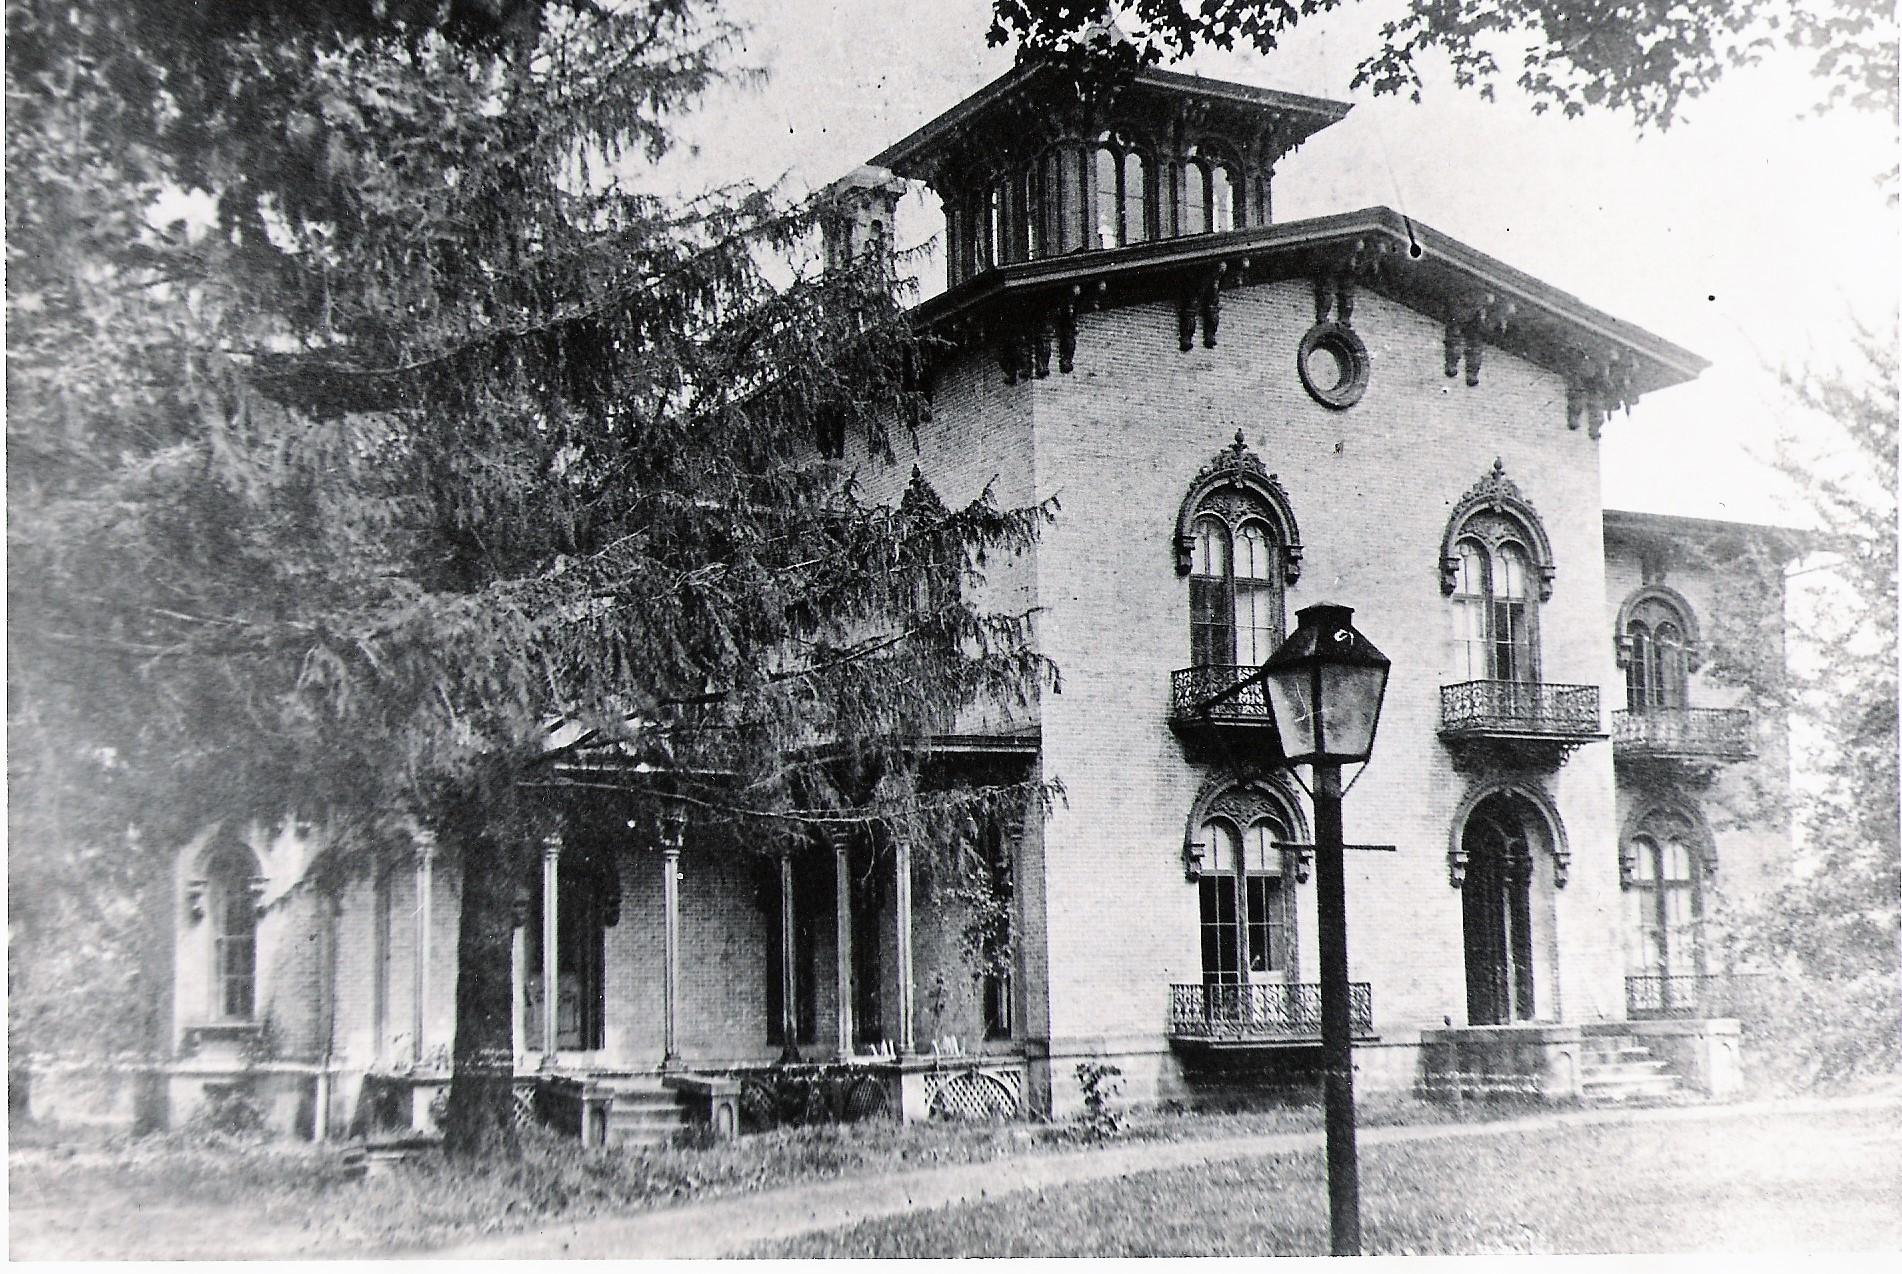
[
  {"x": 1237, "y": 542},
  {"x": 1205, "y": 192},
  {"x": 1122, "y": 194},
  {"x": 1657, "y": 644},
  {"x": 1496, "y": 565}
]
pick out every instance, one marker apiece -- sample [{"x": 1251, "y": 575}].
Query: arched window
[
  {"x": 1666, "y": 899},
  {"x": 1495, "y": 614},
  {"x": 1135, "y": 196},
  {"x": 1206, "y": 195},
  {"x": 1235, "y": 599},
  {"x": 231, "y": 904},
  {"x": 1247, "y": 912},
  {"x": 1237, "y": 541},
  {"x": 1122, "y": 194},
  {"x": 1496, "y": 565},
  {"x": 1657, "y": 645}
]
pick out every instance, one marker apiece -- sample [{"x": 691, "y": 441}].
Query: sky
[{"x": 1753, "y": 232}]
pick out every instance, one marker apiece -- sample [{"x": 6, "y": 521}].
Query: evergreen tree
[{"x": 440, "y": 478}]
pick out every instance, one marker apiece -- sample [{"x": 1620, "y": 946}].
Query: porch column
[
  {"x": 788, "y": 966},
  {"x": 419, "y": 975},
  {"x": 672, "y": 829},
  {"x": 901, "y": 912},
  {"x": 551, "y": 979},
  {"x": 841, "y": 839},
  {"x": 518, "y": 983}
]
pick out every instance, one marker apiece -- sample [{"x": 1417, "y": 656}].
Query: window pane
[
  {"x": 1108, "y": 200},
  {"x": 1638, "y": 668},
  {"x": 1509, "y": 576},
  {"x": 1195, "y": 198},
  {"x": 1263, "y": 857},
  {"x": 1211, "y": 548},
  {"x": 1469, "y": 622},
  {"x": 1221, "y": 199},
  {"x": 1073, "y": 211},
  {"x": 1646, "y": 854},
  {"x": 1135, "y": 200},
  {"x": 1252, "y": 552},
  {"x": 1677, "y": 861},
  {"x": 1221, "y": 849},
  {"x": 1211, "y": 630},
  {"x": 1670, "y": 672}
]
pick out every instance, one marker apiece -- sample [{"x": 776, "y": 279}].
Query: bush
[
  {"x": 1803, "y": 1033},
  {"x": 1102, "y": 1084},
  {"x": 228, "y": 1112}
]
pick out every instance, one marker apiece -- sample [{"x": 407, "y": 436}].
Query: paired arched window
[
  {"x": 1495, "y": 612},
  {"x": 1235, "y": 600},
  {"x": 1657, "y": 643},
  {"x": 1247, "y": 910},
  {"x": 231, "y": 905},
  {"x": 1664, "y": 878},
  {"x": 1205, "y": 195},
  {"x": 1496, "y": 565},
  {"x": 1122, "y": 195}
]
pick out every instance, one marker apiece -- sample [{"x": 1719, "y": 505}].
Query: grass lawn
[
  {"x": 175, "y": 1197},
  {"x": 1728, "y": 1183},
  {"x": 74, "y": 1195}
]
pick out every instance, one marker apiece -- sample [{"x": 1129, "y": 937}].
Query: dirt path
[{"x": 730, "y": 1226}]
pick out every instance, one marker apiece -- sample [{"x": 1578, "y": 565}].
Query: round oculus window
[{"x": 1333, "y": 365}]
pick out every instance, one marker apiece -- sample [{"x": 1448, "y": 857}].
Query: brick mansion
[{"x": 1240, "y": 417}]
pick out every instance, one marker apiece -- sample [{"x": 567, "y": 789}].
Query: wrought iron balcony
[
  {"x": 1219, "y": 694},
  {"x": 1271, "y": 1012},
  {"x": 1682, "y": 734},
  {"x": 1686, "y": 995},
  {"x": 1519, "y": 708}
]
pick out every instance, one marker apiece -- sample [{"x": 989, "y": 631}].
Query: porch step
[
  {"x": 1617, "y": 1071},
  {"x": 643, "y": 1113}
]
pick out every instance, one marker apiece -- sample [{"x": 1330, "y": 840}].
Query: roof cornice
[{"x": 1476, "y": 296}]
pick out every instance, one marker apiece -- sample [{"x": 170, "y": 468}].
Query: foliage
[
  {"x": 229, "y": 1111},
  {"x": 432, "y": 472},
  {"x": 1102, "y": 1084},
  {"x": 1645, "y": 58},
  {"x": 1829, "y": 938}
]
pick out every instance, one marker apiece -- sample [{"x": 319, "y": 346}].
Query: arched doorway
[{"x": 1497, "y": 904}]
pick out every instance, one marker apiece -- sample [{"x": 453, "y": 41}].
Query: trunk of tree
[{"x": 481, "y": 1117}]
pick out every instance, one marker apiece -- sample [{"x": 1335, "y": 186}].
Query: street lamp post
[{"x": 1325, "y": 685}]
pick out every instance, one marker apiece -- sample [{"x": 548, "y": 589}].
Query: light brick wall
[
  {"x": 1372, "y": 488},
  {"x": 1746, "y": 804}
]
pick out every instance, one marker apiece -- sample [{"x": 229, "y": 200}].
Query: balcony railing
[
  {"x": 1519, "y": 709},
  {"x": 1215, "y": 693},
  {"x": 1718, "y": 734},
  {"x": 1261, "y": 1012},
  {"x": 1689, "y": 995}
]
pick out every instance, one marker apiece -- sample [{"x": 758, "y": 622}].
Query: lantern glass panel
[
  {"x": 1350, "y": 702},
  {"x": 1291, "y": 698}
]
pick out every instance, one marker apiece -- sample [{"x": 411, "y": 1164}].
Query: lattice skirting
[{"x": 974, "y": 1094}]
